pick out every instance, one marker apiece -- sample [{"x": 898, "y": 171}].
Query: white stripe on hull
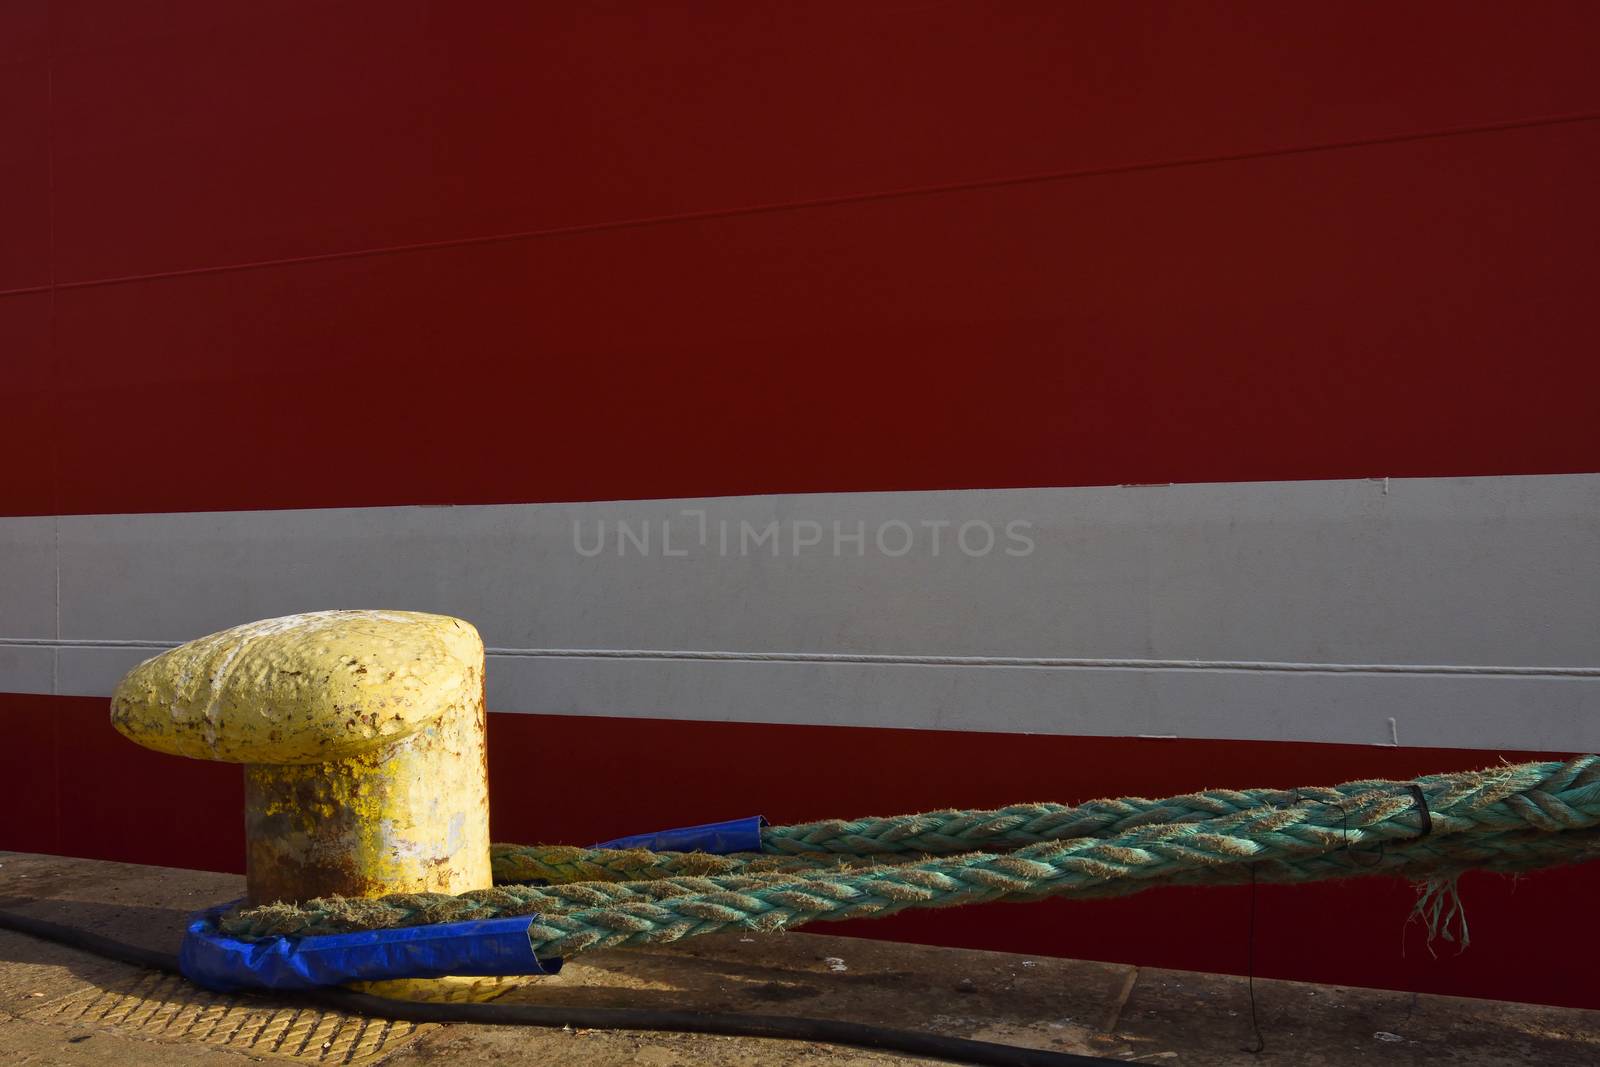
[{"x": 1462, "y": 609}]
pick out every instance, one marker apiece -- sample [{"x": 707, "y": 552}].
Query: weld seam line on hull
[
  {"x": 891, "y": 659},
  {"x": 818, "y": 202}
]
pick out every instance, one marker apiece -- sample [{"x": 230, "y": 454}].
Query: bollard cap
[{"x": 308, "y": 688}]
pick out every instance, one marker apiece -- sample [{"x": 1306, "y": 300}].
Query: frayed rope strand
[{"x": 1441, "y": 911}]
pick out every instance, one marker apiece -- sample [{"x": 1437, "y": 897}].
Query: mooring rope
[
  {"x": 832, "y": 842},
  {"x": 1507, "y": 818}
]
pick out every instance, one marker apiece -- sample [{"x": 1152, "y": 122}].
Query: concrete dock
[{"x": 60, "y": 1006}]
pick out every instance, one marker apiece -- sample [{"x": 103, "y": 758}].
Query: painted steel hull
[{"x": 824, "y": 414}]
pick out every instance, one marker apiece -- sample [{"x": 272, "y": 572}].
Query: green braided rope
[
  {"x": 807, "y": 846},
  {"x": 1508, "y": 851},
  {"x": 1506, "y": 818},
  {"x": 666, "y": 910},
  {"x": 943, "y": 832},
  {"x": 561, "y": 864}
]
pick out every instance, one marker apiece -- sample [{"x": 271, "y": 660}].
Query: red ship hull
[{"x": 710, "y": 325}]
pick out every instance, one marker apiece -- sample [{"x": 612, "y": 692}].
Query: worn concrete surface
[{"x": 60, "y": 1006}]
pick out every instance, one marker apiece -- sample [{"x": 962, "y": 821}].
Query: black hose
[{"x": 732, "y": 1024}]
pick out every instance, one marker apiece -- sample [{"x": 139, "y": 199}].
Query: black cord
[
  {"x": 733, "y": 1024},
  {"x": 1422, "y": 806}
]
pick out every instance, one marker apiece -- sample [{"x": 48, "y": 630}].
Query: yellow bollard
[{"x": 362, "y": 735}]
